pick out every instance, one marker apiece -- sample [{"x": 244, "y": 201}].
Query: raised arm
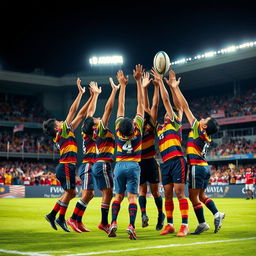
[
  {"x": 164, "y": 93},
  {"x": 110, "y": 103},
  {"x": 145, "y": 83},
  {"x": 96, "y": 92},
  {"x": 172, "y": 82},
  {"x": 121, "y": 98},
  {"x": 137, "y": 74},
  {"x": 155, "y": 103},
  {"x": 82, "y": 112},
  {"x": 74, "y": 106},
  {"x": 183, "y": 103}
]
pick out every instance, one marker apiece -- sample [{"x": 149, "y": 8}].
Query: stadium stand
[{"x": 222, "y": 87}]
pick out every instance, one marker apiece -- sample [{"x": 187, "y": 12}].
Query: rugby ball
[{"x": 161, "y": 62}]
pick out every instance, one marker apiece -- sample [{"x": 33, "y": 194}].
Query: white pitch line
[
  {"x": 162, "y": 246},
  {"x": 24, "y": 253}
]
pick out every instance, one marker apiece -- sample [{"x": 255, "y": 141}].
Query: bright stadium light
[
  {"x": 210, "y": 54},
  {"x": 106, "y": 60}
]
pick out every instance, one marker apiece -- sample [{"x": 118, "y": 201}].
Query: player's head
[
  {"x": 126, "y": 127},
  {"x": 90, "y": 124},
  {"x": 50, "y": 126},
  {"x": 210, "y": 125}
]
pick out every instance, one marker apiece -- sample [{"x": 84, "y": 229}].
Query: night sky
[{"x": 60, "y": 37}]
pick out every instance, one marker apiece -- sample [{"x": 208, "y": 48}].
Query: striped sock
[
  {"x": 56, "y": 209},
  {"x": 210, "y": 205},
  {"x": 199, "y": 211},
  {"x": 104, "y": 213},
  {"x": 142, "y": 203},
  {"x": 169, "y": 207},
  {"x": 132, "y": 212},
  {"x": 159, "y": 204},
  {"x": 82, "y": 207},
  {"x": 79, "y": 207},
  {"x": 63, "y": 209},
  {"x": 115, "y": 210},
  {"x": 184, "y": 210}
]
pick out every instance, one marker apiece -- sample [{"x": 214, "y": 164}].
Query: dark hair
[
  {"x": 212, "y": 126},
  {"x": 49, "y": 127},
  {"x": 87, "y": 125},
  {"x": 126, "y": 127}
]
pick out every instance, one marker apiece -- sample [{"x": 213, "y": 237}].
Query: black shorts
[
  {"x": 149, "y": 171},
  {"x": 174, "y": 170},
  {"x": 66, "y": 174},
  {"x": 199, "y": 176}
]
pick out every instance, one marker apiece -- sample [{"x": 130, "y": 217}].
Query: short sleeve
[
  {"x": 101, "y": 130},
  {"x": 65, "y": 130},
  {"x": 118, "y": 120},
  {"x": 139, "y": 121}
]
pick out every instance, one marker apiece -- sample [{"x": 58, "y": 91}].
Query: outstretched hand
[
  {"x": 94, "y": 86},
  {"x": 123, "y": 80},
  {"x": 138, "y": 72},
  {"x": 157, "y": 77},
  {"x": 80, "y": 88},
  {"x": 146, "y": 80},
  {"x": 113, "y": 85},
  {"x": 172, "y": 82}
]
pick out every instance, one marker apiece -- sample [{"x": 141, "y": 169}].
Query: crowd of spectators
[
  {"x": 231, "y": 106},
  {"x": 28, "y": 174},
  {"x": 21, "y": 108},
  {"x": 230, "y": 174},
  {"x": 234, "y": 146},
  {"x": 24, "y": 108},
  {"x": 26, "y": 142}
]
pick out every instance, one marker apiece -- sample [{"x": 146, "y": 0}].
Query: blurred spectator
[{"x": 21, "y": 108}]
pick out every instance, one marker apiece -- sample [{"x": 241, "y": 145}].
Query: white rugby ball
[{"x": 161, "y": 62}]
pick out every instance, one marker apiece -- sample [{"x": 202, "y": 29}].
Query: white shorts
[{"x": 249, "y": 187}]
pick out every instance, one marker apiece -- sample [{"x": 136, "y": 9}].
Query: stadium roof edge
[{"x": 231, "y": 66}]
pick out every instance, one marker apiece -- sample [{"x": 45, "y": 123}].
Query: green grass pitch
[{"x": 24, "y": 231}]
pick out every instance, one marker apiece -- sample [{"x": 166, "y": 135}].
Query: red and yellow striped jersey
[
  {"x": 197, "y": 141},
  {"x": 148, "y": 140},
  {"x": 66, "y": 143},
  {"x": 105, "y": 143},
  {"x": 169, "y": 139},
  {"x": 129, "y": 148},
  {"x": 89, "y": 149}
]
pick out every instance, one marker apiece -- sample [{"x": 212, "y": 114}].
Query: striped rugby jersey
[
  {"x": 105, "y": 143},
  {"x": 169, "y": 139},
  {"x": 198, "y": 140},
  {"x": 129, "y": 148},
  {"x": 66, "y": 143},
  {"x": 148, "y": 140},
  {"x": 89, "y": 149}
]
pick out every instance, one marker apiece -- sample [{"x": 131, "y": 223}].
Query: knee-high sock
[
  {"x": 169, "y": 207},
  {"x": 184, "y": 210},
  {"x": 63, "y": 209},
  {"x": 209, "y": 203},
  {"x": 56, "y": 208},
  {"x": 159, "y": 204},
  {"x": 132, "y": 213},
  {"x": 104, "y": 213},
  {"x": 199, "y": 211},
  {"x": 142, "y": 203},
  {"x": 115, "y": 210},
  {"x": 79, "y": 210}
]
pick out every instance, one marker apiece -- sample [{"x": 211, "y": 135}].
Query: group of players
[{"x": 135, "y": 162}]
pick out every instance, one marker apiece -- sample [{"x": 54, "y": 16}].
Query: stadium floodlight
[
  {"x": 106, "y": 60},
  {"x": 227, "y": 50}
]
